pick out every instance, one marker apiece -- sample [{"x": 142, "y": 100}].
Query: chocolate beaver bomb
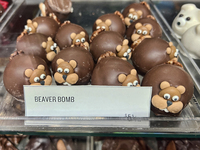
[
  {"x": 25, "y": 70},
  {"x": 44, "y": 25},
  {"x": 39, "y": 45},
  {"x": 124, "y": 144},
  {"x": 151, "y": 52},
  {"x": 61, "y": 8},
  {"x": 73, "y": 65},
  {"x": 104, "y": 42},
  {"x": 111, "y": 22},
  {"x": 114, "y": 71},
  {"x": 172, "y": 89},
  {"x": 144, "y": 27},
  {"x": 135, "y": 11},
  {"x": 71, "y": 34}
]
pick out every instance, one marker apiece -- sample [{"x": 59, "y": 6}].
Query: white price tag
[{"x": 88, "y": 101}]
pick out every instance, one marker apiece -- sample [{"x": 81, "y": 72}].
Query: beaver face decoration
[
  {"x": 123, "y": 51},
  {"x": 51, "y": 48},
  {"x": 38, "y": 76},
  {"x": 30, "y": 27},
  {"x": 79, "y": 40},
  {"x": 168, "y": 99},
  {"x": 65, "y": 72},
  {"x": 172, "y": 52},
  {"x": 141, "y": 31},
  {"x": 129, "y": 80},
  {"x": 132, "y": 16},
  {"x": 103, "y": 25}
]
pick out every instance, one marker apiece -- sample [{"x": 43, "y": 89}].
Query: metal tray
[{"x": 85, "y": 13}]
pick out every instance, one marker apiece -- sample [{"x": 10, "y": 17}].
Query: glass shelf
[{"x": 12, "y": 116}]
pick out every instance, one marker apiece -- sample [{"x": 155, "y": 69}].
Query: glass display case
[{"x": 12, "y": 112}]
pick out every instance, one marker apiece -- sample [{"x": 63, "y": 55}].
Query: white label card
[{"x": 87, "y": 101}]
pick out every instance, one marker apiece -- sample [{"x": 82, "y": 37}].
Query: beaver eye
[
  {"x": 54, "y": 45},
  {"x": 36, "y": 79},
  {"x": 135, "y": 83},
  {"x": 77, "y": 41},
  {"x": 139, "y": 31},
  {"x": 175, "y": 98},
  {"x": 129, "y": 50},
  {"x": 130, "y": 16},
  {"x": 144, "y": 32},
  {"x": 66, "y": 70},
  {"x": 59, "y": 70},
  {"x": 26, "y": 27},
  {"x": 129, "y": 84},
  {"x": 42, "y": 76},
  {"x": 30, "y": 29},
  {"x": 125, "y": 54},
  {"x": 135, "y": 17},
  {"x": 98, "y": 27},
  {"x": 82, "y": 40},
  {"x": 166, "y": 96},
  {"x": 52, "y": 48},
  {"x": 103, "y": 27}
]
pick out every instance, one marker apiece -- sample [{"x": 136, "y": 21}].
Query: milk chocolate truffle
[
  {"x": 73, "y": 65},
  {"x": 136, "y": 11},
  {"x": 71, "y": 34},
  {"x": 44, "y": 25},
  {"x": 172, "y": 89},
  {"x": 111, "y": 22},
  {"x": 124, "y": 144},
  {"x": 105, "y": 41},
  {"x": 25, "y": 70},
  {"x": 39, "y": 45},
  {"x": 144, "y": 27},
  {"x": 114, "y": 71},
  {"x": 61, "y": 8},
  {"x": 151, "y": 52}
]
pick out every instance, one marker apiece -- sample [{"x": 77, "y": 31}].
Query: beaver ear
[
  {"x": 59, "y": 61},
  {"x": 164, "y": 85},
  {"x": 73, "y": 63},
  {"x": 28, "y": 72},
  {"x": 134, "y": 72},
  {"x": 121, "y": 78},
  {"x": 73, "y": 35},
  {"x": 108, "y": 22},
  {"x": 118, "y": 48},
  {"x": 41, "y": 67},
  {"x": 181, "y": 89},
  {"x": 125, "y": 42},
  {"x": 149, "y": 27},
  {"x": 137, "y": 25},
  {"x": 98, "y": 21},
  {"x": 82, "y": 33},
  {"x": 35, "y": 24},
  {"x": 44, "y": 44},
  {"x": 131, "y": 10}
]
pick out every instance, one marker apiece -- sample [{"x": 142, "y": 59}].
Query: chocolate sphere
[
  {"x": 136, "y": 11},
  {"x": 155, "y": 31},
  {"x": 175, "y": 76},
  {"x": 63, "y": 36},
  {"x": 149, "y": 53},
  {"x": 14, "y": 74},
  {"x": 84, "y": 63},
  {"x": 61, "y": 8},
  {"x": 112, "y": 21},
  {"x": 108, "y": 69},
  {"x": 47, "y": 26},
  {"x": 105, "y": 41},
  {"x": 32, "y": 44}
]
